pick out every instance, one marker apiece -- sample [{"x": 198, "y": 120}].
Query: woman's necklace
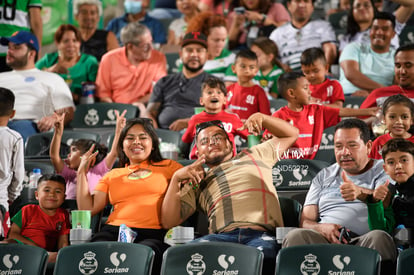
[{"x": 139, "y": 173}]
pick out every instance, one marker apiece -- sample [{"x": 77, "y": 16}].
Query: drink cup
[
  {"x": 253, "y": 140},
  {"x": 81, "y": 219},
  {"x": 198, "y": 110}
]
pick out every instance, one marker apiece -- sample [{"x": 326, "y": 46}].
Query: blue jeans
[
  {"x": 25, "y": 128},
  {"x": 165, "y": 13},
  {"x": 263, "y": 241}
]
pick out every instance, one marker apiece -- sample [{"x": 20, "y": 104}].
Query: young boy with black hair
[
  {"x": 393, "y": 205},
  {"x": 11, "y": 159},
  {"x": 213, "y": 98},
  {"x": 45, "y": 225},
  {"x": 323, "y": 90},
  {"x": 244, "y": 97},
  {"x": 310, "y": 119}
]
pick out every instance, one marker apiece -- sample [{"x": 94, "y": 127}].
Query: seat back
[
  {"x": 38, "y": 145},
  {"x": 22, "y": 259},
  {"x": 99, "y": 115},
  {"x": 407, "y": 35},
  {"x": 173, "y": 61},
  {"x": 292, "y": 177},
  {"x": 104, "y": 258},
  {"x": 291, "y": 210},
  {"x": 212, "y": 258},
  {"x": 326, "y": 151},
  {"x": 353, "y": 101},
  {"x": 327, "y": 259},
  {"x": 405, "y": 262},
  {"x": 276, "y": 104}
]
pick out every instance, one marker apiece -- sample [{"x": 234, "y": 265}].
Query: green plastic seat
[
  {"x": 405, "y": 262},
  {"x": 327, "y": 259},
  {"x": 101, "y": 115},
  {"x": 212, "y": 258},
  {"x": 38, "y": 145},
  {"x": 104, "y": 258},
  {"x": 22, "y": 259},
  {"x": 291, "y": 210}
]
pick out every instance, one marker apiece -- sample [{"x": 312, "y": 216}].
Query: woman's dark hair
[
  {"x": 83, "y": 145},
  {"x": 352, "y": 26},
  {"x": 233, "y": 4},
  {"x": 205, "y": 21},
  {"x": 155, "y": 155},
  {"x": 64, "y": 28},
  {"x": 398, "y": 99},
  {"x": 268, "y": 46},
  {"x": 263, "y": 6}
]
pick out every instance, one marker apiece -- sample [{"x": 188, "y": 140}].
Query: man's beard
[
  {"x": 18, "y": 63},
  {"x": 192, "y": 69}
]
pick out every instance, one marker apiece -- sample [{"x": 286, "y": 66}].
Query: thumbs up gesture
[{"x": 381, "y": 192}]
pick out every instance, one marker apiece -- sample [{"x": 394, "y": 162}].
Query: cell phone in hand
[
  {"x": 344, "y": 235},
  {"x": 239, "y": 10}
]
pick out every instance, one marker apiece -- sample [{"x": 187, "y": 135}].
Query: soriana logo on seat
[
  {"x": 89, "y": 264},
  {"x": 196, "y": 266},
  {"x": 9, "y": 262}
]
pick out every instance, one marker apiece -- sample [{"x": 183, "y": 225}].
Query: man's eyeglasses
[{"x": 203, "y": 125}]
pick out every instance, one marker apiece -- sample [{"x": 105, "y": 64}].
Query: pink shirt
[
  {"x": 94, "y": 175},
  {"x": 125, "y": 83}
]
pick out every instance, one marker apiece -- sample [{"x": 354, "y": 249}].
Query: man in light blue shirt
[{"x": 365, "y": 67}]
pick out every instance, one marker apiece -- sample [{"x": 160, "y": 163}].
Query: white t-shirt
[
  {"x": 38, "y": 93},
  {"x": 291, "y": 41},
  {"x": 325, "y": 193}
]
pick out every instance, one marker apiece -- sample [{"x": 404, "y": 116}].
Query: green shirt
[
  {"x": 267, "y": 82},
  {"x": 85, "y": 70}
]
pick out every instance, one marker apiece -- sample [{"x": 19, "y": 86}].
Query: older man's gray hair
[
  {"x": 132, "y": 33},
  {"x": 78, "y": 3}
]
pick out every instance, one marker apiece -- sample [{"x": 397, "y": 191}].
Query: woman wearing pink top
[{"x": 258, "y": 18}]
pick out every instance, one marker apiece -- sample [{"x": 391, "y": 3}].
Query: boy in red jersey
[
  {"x": 244, "y": 97},
  {"x": 45, "y": 225},
  {"x": 324, "y": 91},
  {"x": 310, "y": 119},
  {"x": 213, "y": 98}
]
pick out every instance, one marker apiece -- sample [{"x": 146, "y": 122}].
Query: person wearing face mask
[{"x": 136, "y": 11}]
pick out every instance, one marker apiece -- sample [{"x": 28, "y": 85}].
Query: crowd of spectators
[{"x": 235, "y": 59}]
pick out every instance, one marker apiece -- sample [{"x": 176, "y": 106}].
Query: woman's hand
[
  {"x": 253, "y": 16},
  {"x": 120, "y": 122},
  {"x": 87, "y": 160}
]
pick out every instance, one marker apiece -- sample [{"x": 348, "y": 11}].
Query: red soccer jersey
[
  {"x": 311, "y": 122},
  {"x": 246, "y": 101},
  {"x": 378, "y": 96},
  {"x": 42, "y": 229},
  {"x": 231, "y": 123},
  {"x": 328, "y": 92},
  {"x": 376, "y": 151}
]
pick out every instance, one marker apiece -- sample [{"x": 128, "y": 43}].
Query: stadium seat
[
  {"x": 276, "y": 104},
  {"x": 326, "y": 151},
  {"x": 407, "y": 35},
  {"x": 405, "y": 262},
  {"x": 173, "y": 61},
  {"x": 292, "y": 177},
  {"x": 212, "y": 258},
  {"x": 101, "y": 115},
  {"x": 22, "y": 259},
  {"x": 327, "y": 259},
  {"x": 353, "y": 101},
  {"x": 38, "y": 145},
  {"x": 104, "y": 258},
  {"x": 291, "y": 211}
]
